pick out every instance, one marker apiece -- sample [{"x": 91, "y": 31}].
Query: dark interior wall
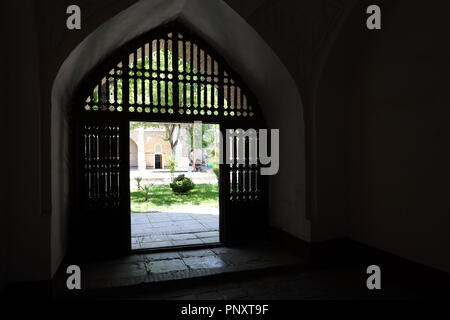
[
  {"x": 6, "y": 162},
  {"x": 377, "y": 124},
  {"x": 300, "y": 33},
  {"x": 382, "y": 125},
  {"x": 55, "y": 44},
  {"x": 27, "y": 230},
  {"x": 296, "y": 30},
  {"x": 35, "y": 44}
]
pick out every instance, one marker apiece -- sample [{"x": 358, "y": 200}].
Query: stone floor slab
[
  {"x": 161, "y": 256},
  {"x": 196, "y": 253},
  {"x": 183, "y": 264},
  {"x": 207, "y": 262},
  {"x": 182, "y": 236},
  {"x": 210, "y": 240},
  {"x": 163, "y": 266},
  {"x": 186, "y": 242},
  {"x": 177, "y": 227}
]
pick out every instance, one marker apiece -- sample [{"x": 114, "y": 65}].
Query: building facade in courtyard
[{"x": 150, "y": 147}]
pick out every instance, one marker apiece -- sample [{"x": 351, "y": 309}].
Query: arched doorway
[{"x": 166, "y": 75}]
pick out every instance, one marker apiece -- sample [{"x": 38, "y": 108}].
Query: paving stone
[
  {"x": 222, "y": 250},
  {"x": 210, "y": 240},
  {"x": 196, "y": 253},
  {"x": 159, "y": 219},
  {"x": 157, "y": 244},
  {"x": 161, "y": 256},
  {"x": 207, "y": 262},
  {"x": 189, "y": 230},
  {"x": 169, "y": 230},
  {"x": 154, "y": 238},
  {"x": 135, "y": 246},
  {"x": 155, "y": 227},
  {"x": 181, "y": 218},
  {"x": 210, "y": 226},
  {"x": 182, "y": 236},
  {"x": 137, "y": 218},
  {"x": 186, "y": 242},
  {"x": 163, "y": 266},
  {"x": 163, "y": 224},
  {"x": 188, "y": 224},
  {"x": 207, "y": 234}
]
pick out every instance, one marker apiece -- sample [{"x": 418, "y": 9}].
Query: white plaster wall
[{"x": 244, "y": 50}]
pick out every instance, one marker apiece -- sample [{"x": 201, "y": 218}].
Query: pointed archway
[{"x": 240, "y": 46}]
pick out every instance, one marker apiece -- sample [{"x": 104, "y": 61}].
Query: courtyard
[
  {"x": 167, "y": 229},
  {"x": 167, "y": 219},
  {"x": 174, "y": 191}
]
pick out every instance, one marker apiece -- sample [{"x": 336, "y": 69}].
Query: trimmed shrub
[{"x": 182, "y": 185}]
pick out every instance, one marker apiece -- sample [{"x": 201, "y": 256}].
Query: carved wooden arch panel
[{"x": 168, "y": 73}]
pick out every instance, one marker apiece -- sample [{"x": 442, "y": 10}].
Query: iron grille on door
[
  {"x": 101, "y": 165},
  {"x": 244, "y": 169}
]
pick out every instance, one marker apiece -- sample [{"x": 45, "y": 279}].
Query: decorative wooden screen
[
  {"x": 101, "y": 167},
  {"x": 244, "y": 169},
  {"x": 170, "y": 75}
]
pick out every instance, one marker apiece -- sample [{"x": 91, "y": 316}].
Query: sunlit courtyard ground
[{"x": 167, "y": 219}]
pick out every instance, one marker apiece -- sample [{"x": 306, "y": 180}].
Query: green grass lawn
[{"x": 162, "y": 198}]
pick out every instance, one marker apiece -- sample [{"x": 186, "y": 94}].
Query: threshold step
[{"x": 168, "y": 268}]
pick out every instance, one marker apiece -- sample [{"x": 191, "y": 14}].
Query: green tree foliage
[{"x": 207, "y": 133}]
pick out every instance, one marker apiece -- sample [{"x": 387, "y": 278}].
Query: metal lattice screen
[
  {"x": 101, "y": 164},
  {"x": 170, "y": 75},
  {"x": 243, "y": 167}
]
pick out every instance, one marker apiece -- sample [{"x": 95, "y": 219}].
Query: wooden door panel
[{"x": 103, "y": 222}]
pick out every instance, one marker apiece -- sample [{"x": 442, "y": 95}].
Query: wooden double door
[{"x": 101, "y": 217}]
